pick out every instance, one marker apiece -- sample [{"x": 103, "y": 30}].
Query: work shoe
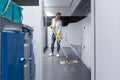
[
  {"x": 57, "y": 55},
  {"x": 51, "y": 54}
]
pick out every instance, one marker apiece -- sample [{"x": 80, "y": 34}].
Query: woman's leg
[
  {"x": 58, "y": 46},
  {"x": 53, "y": 42}
]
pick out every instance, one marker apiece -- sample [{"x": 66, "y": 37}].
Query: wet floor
[{"x": 53, "y": 70}]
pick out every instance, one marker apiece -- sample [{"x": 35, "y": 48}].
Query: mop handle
[{"x": 64, "y": 52}]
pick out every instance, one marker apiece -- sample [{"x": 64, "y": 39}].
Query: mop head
[
  {"x": 64, "y": 62},
  {"x": 68, "y": 61}
]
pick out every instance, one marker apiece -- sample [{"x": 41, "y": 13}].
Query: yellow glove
[
  {"x": 51, "y": 26},
  {"x": 57, "y": 35}
]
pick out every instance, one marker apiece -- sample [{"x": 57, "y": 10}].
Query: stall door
[
  {"x": 83, "y": 44},
  {"x": 12, "y": 55}
]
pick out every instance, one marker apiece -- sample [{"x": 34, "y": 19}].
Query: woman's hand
[
  {"x": 57, "y": 35},
  {"x": 51, "y": 26}
]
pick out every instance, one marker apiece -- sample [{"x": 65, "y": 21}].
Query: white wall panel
[{"x": 107, "y": 39}]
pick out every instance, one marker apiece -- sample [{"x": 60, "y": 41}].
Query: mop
[{"x": 67, "y": 60}]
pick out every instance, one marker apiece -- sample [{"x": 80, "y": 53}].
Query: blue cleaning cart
[
  {"x": 12, "y": 62},
  {"x": 13, "y": 44}
]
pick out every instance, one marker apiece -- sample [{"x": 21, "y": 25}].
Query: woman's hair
[{"x": 58, "y": 13}]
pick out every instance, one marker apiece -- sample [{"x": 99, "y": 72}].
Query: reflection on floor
[{"x": 55, "y": 71}]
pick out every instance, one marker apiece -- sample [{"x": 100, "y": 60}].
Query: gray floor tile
[{"x": 55, "y": 71}]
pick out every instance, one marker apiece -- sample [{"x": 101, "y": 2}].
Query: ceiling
[
  {"x": 83, "y": 8},
  {"x": 63, "y": 6},
  {"x": 58, "y": 3},
  {"x": 67, "y": 7}
]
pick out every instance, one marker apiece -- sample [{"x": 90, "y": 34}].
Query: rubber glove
[
  {"x": 51, "y": 26},
  {"x": 57, "y": 35}
]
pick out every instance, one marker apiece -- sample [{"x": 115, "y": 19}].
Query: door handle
[
  {"x": 21, "y": 60},
  {"x": 30, "y": 59}
]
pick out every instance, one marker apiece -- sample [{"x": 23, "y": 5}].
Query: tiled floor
[{"x": 53, "y": 70}]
